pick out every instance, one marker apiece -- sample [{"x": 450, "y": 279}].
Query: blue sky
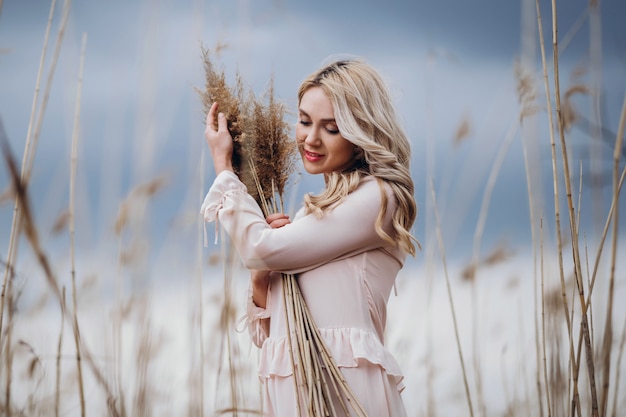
[{"x": 445, "y": 61}]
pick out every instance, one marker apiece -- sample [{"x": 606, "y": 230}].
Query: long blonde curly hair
[{"x": 365, "y": 116}]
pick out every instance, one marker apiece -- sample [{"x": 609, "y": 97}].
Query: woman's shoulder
[
  {"x": 370, "y": 184},
  {"x": 369, "y": 192}
]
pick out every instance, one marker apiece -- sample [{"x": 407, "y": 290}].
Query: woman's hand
[
  {"x": 219, "y": 140},
  {"x": 277, "y": 220}
]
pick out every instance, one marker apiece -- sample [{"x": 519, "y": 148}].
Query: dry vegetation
[{"x": 578, "y": 361}]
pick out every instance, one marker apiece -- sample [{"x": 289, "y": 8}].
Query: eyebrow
[{"x": 330, "y": 120}]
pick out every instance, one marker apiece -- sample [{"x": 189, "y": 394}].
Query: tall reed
[
  {"x": 442, "y": 251},
  {"x": 74, "y": 157},
  {"x": 6, "y": 283}
]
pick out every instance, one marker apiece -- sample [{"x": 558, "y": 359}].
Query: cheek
[
  {"x": 345, "y": 149},
  {"x": 300, "y": 134}
]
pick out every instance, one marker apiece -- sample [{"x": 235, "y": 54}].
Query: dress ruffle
[
  {"x": 254, "y": 315},
  {"x": 347, "y": 345}
]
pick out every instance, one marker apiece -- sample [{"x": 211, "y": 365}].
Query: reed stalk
[
  {"x": 573, "y": 228},
  {"x": 200, "y": 274},
  {"x": 620, "y": 355},
  {"x": 607, "y": 224},
  {"x": 118, "y": 334},
  {"x": 14, "y": 226},
  {"x": 539, "y": 316},
  {"x": 32, "y": 235},
  {"x": 608, "y": 329},
  {"x": 478, "y": 234},
  {"x": 72, "y": 221},
  {"x": 57, "y": 387},
  {"x": 539, "y": 341},
  {"x": 543, "y": 323},
  {"x": 451, "y": 299},
  {"x": 226, "y": 324},
  {"x": 557, "y": 214},
  {"x": 595, "y": 85}
]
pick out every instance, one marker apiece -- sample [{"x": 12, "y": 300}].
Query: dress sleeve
[
  {"x": 257, "y": 318},
  {"x": 305, "y": 243}
]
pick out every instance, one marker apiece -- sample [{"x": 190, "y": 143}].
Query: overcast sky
[{"x": 446, "y": 61}]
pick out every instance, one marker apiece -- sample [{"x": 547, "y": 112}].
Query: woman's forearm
[{"x": 260, "y": 283}]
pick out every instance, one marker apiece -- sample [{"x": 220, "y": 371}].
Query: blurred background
[{"x": 467, "y": 80}]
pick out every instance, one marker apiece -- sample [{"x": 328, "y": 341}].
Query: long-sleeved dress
[{"x": 345, "y": 271}]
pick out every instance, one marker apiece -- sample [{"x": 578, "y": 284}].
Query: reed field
[{"x": 109, "y": 307}]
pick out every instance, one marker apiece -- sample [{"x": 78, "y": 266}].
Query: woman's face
[{"x": 321, "y": 146}]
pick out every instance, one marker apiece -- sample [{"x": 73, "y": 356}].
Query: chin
[{"x": 312, "y": 171}]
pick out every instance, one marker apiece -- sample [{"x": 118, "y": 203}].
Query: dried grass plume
[{"x": 263, "y": 147}]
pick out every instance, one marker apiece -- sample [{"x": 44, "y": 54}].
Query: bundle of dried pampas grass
[{"x": 264, "y": 158}]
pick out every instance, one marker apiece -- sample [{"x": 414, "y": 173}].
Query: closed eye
[{"x": 331, "y": 128}]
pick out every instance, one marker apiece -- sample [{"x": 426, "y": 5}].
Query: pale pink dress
[{"x": 346, "y": 273}]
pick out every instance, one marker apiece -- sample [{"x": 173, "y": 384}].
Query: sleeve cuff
[{"x": 224, "y": 184}]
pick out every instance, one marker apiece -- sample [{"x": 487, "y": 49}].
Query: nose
[{"x": 312, "y": 136}]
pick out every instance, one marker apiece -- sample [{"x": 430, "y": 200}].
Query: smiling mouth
[{"x": 312, "y": 156}]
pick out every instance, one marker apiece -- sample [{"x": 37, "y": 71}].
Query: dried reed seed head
[
  {"x": 568, "y": 112},
  {"x": 228, "y": 313},
  {"x": 122, "y": 218},
  {"x": 150, "y": 188},
  {"x": 469, "y": 272},
  {"x": 498, "y": 255},
  {"x": 275, "y": 150},
  {"x": 576, "y": 89},
  {"x": 127, "y": 258},
  {"x": 263, "y": 154},
  {"x": 89, "y": 281},
  {"x": 61, "y": 222},
  {"x": 142, "y": 191},
  {"x": 526, "y": 91},
  {"x": 579, "y": 71},
  {"x": 553, "y": 299},
  {"x": 34, "y": 362},
  {"x": 463, "y": 130},
  {"x": 133, "y": 254},
  {"x": 230, "y": 101},
  {"x": 127, "y": 308},
  {"x": 214, "y": 259}
]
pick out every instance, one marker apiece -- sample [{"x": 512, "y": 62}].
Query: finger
[
  {"x": 275, "y": 224},
  {"x": 221, "y": 123},
  {"x": 210, "y": 118},
  {"x": 275, "y": 216}
]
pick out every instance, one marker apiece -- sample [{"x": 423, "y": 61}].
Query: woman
[{"x": 346, "y": 245}]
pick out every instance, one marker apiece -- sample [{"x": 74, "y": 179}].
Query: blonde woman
[{"x": 346, "y": 245}]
